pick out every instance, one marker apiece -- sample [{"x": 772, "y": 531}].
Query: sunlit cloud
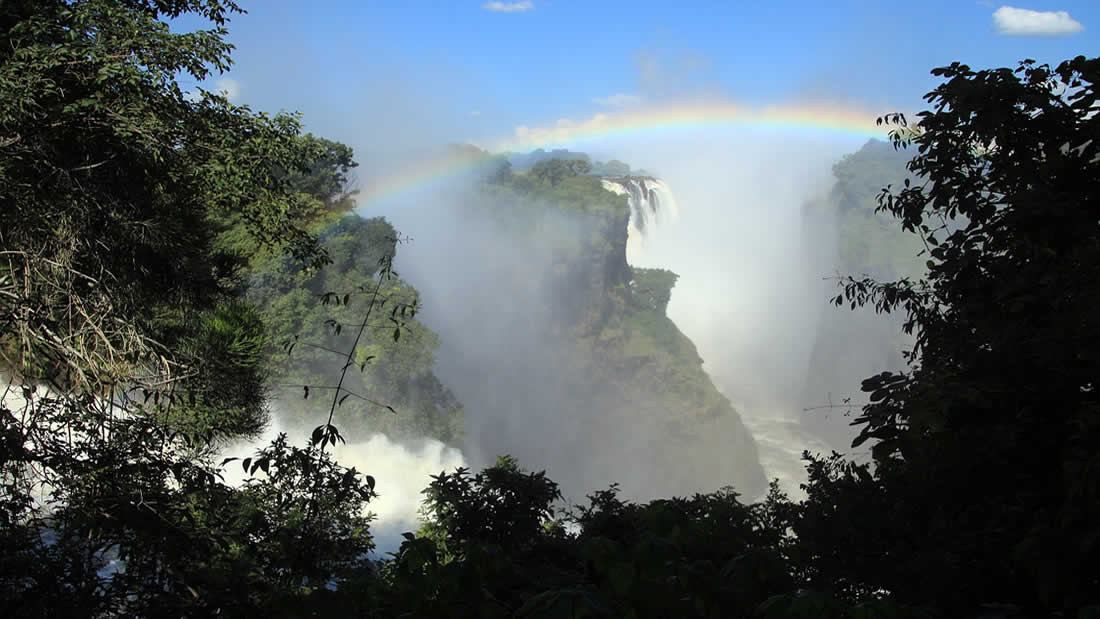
[
  {"x": 618, "y": 100},
  {"x": 1011, "y": 21},
  {"x": 508, "y": 7},
  {"x": 228, "y": 87}
]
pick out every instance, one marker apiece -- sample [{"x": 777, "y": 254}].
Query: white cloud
[
  {"x": 618, "y": 100},
  {"x": 228, "y": 87},
  {"x": 508, "y": 7},
  {"x": 1012, "y": 21}
]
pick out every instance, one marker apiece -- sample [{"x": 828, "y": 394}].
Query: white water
[
  {"x": 651, "y": 204},
  {"x": 401, "y": 471}
]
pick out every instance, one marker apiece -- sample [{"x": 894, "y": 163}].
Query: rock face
[
  {"x": 561, "y": 352},
  {"x": 648, "y": 374}
]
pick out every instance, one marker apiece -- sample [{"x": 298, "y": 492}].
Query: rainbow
[{"x": 806, "y": 120}]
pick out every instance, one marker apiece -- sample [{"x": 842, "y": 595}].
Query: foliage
[
  {"x": 130, "y": 211},
  {"x": 130, "y": 356},
  {"x": 870, "y": 242},
  {"x": 312, "y": 314},
  {"x": 327, "y": 178},
  {"x": 611, "y": 168},
  {"x": 321, "y": 196},
  {"x": 525, "y": 161},
  {"x": 704, "y": 556},
  {"x": 867, "y": 243},
  {"x": 90, "y": 106},
  {"x": 552, "y": 171},
  {"x": 303, "y": 520},
  {"x": 980, "y": 492},
  {"x": 981, "y": 499},
  {"x": 502, "y": 505},
  {"x": 653, "y": 287}
]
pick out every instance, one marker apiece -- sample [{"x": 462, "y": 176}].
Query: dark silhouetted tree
[{"x": 984, "y": 491}]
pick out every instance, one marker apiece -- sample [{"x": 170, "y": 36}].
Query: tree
[
  {"x": 110, "y": 176},
  {"x": 395, "y": 354},
  {"x": 616, "y": 168},
  {"x": 552, "y": 171},
  {"x": 130, "y": 355},
  {"x": 492, "y": 549},
  {"x": 984, "y": 492},
  {"x": 327, "y": 177}
]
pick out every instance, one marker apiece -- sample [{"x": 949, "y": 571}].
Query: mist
[
  {"x": 752, "y": 293},
  {"x": 756, "y": 277},
  {"x": 754, "y": 285},
  {"x": 487, "y": 283},
  {"x": 402, "y": 470}
]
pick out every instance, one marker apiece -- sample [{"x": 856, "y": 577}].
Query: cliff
[{"x": 567, "y": 359}]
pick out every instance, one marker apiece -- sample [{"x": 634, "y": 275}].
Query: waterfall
[
  {"x": 651, "y": 202},
  {"x": 403, "y": 469}
]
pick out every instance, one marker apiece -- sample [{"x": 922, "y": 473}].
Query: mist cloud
[
  {"x": 1011, "y": 21},
  {"x": 228, "y": 87},
  {"x": 508, "y": 7},
  {"x": 750, "y": 295},
  {"x": 403, "y": 470}
]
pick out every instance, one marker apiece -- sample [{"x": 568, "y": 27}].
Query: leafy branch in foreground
[
  {"x": 402, "y": 310},
  {"x": 315, "y": 316},
  {"x": 128, "y": 356}
]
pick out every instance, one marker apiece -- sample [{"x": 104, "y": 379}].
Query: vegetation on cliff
[
  {"x": 861, "y": 240},
  {"x": 312, "y": 312},
  {"x": 868, "y": 241}
]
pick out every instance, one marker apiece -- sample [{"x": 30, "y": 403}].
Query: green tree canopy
[
  {"x": 552, "y": 171},
  {"x": 110, "y": 178},
  {"x": 983, "y": 491},
  {"x": 129, "y": 352}
]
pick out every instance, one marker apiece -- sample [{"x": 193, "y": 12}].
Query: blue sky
[{"x": 364, "y": 71}]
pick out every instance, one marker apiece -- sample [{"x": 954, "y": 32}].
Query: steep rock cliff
[{"x": 561, "y": 352}]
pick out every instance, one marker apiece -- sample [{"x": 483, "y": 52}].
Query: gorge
[{"x": 579, "y": 372}]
